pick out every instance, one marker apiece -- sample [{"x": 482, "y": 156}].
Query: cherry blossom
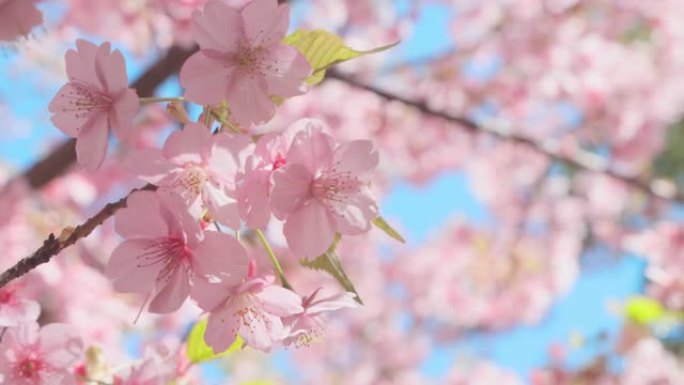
[
  {"x": 252, "y": 310},
  {"x": 200, "y": 167},
  {"x": 323, "y": 189},
  {"x": 242, "y": 60},
  {"x": 29, "y": 356},
  {"x": 166, "y": 252},
  {"x": 309, "y": 324},
  {"x": 94, "y": 101},
  {"x": 15, "y": 307},
  {"x": 17, "y": 18}
]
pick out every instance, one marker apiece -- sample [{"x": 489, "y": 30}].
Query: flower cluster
[{"x": 211, "y": 176}]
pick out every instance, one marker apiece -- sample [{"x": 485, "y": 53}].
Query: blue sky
[{"x": 421, "y": 210}]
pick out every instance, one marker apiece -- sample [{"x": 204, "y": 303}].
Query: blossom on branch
[
  {"x": 198, "y": 166},
  {"x": 323, "y": 189},
  {"x": 166, "y": 253},
  {"x": 94, "y": 101},
  {"x": 242, "y": 60}
]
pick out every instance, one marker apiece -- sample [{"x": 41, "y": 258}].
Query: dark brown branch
[
  {"x": 62, "y": 157},
  {"x": 53, "y": 245},
  {"x": 579, "y": 158}
]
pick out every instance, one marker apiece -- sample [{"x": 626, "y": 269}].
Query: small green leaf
[
  {"x": 382, "y": 224},
  {"x": 198, "y": 350},
  {"x": 330, "y": 263},
  {"x": 323, "y": 49},
  {"x": 643, "y": 310}
]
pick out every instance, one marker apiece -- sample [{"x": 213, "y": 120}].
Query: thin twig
[
  {"x": 54, "y": 245},
  {"x": 274, "y": 259},
  {"x": 579, "y": 158}
]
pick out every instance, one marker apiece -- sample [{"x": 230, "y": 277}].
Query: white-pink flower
[
  {"x": 17, "y": 18},
  {"x": 166, "y": 253},
  {"x": 198, "y": 166},
  {"x": 323, "y": 189},
  {"x": 15, "y": 308},
  {"x": 310, "y": 324},
  {"x": 94, "y": 101},
  {"x": 251, "y": 310},
  {"x": 242, "y": 60},
  {"x": 29, "y": 356}
]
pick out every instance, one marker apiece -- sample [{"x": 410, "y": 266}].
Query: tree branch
[
  {"x": 54, "y": 245},
  {"x": 578, "y": 158}
]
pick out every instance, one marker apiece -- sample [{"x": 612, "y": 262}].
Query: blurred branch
[
  {"x": 54, "y": 245},
  {"x": 578, "y": 158}
]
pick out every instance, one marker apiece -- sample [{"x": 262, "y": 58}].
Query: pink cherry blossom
[
  {"x": 269, "y": 155},
  {"x": 252, "y": 310},
  {"x": 17, "y": 18},
  {"x": 94, "y": 101},
  {"x": 323, "y": 189},
  {"x": 198, "y": 166},
  {"x": 29, "y": 356},
  {"x": 15, "y": 308},
  {"x": 165, "y": 253},
  {"x": 242, "y": 60},
  {"x": 309, "y": 324}
]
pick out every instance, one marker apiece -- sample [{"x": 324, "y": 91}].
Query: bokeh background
[{"x": 519, "y": 268}]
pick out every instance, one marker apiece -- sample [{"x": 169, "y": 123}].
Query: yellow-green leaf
[
  {"x": 331, "y": 264},
  {"x": 198, "y": 350},
  {"x": 382, "y": 224},
  {"x": 323, "y": 49},
  {"x": 644, "y": 310}
]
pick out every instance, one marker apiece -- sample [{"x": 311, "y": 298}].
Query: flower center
[
  {"x": 190, "y": 181},
  {"x": 173, "y": 253},
  {"x": 6, "y": 296},
  {"x": 30, "y": 367},
  {"x": 84, "y": 100},
  {"x": 279, "y": 162}
]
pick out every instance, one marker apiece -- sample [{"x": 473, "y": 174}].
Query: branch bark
[
  {"x": 578, "y": 158},
  {"x": 53, "y": 245}
]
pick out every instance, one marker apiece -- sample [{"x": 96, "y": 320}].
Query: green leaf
[
  {"x": 323, "y": 49},
  {"x": 382, "y": 224},
  {"x": 644, "y": 310},
  {"x": 330, "y": 263},
  {"x": 198, "y": 350}
]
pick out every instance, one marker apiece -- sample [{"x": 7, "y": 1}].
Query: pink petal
[
  {"x": 210, "y": 295},
  {"x": 221, "y": 328},
  {"x": 122, "y": 114},
  {"x": 142, "y": 218},
  {"x": 354, "y": 215},
  {"x": 253, "y": 200},
  {"x": 172, "y": 295},
  {"x": 309, "y": 231},
  {"x": 218, "y": 26},
  {"x": 188, "y": 145},
  {"x": 79, "y": 63},
  {"x": 357, "y": 157},
  {"x": 222, "y": 256},
  {"x": 111, "y": 68},
  {"x": 91, "y": 144},
  {"x": 149, "y": 165},
  {"x": 289, "y": 80},
  {"x": 249, "y": 100},
  {"x": 279, "y": 301},
  {"x": 291, "y": 189},
  {"x": 332, "y": 303},
  {"x": 262, "y": 331},
  {"x": 17, "y": 18},
  {"x": 205, "y": 79},
  {"x": 265, "y": 22},
  {"x": 311, "y": 147},
  {"x": 129, "y": 272},
  {"x": 67, "y": 118}
]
